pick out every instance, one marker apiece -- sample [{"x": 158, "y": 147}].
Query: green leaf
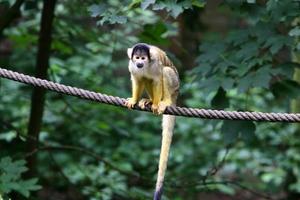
[
  {"x": 220, "y": 101},
  {"x": 262, "y": 77},
  {"x": 198, "y": 3},
  {"x": 118, "y": 19},
  {"x": 275, "y": 43},
  {"x": 171, "y": 6},
  {"x": 203, "y": 69},
  {"x": 227, "y": 83},
  {"x": 24, "y": 187},
  {"x": 10, "y": 177},
  {"x": 133, "y": 3},
  {"x": 295, "y": 32},
  {"x": 112, "y": 18},
  {"x": 96, "y": 10},
  {"x": 146, "y": 3},
  {"x": 15, "y": 169},
  {"x": 285, "y": 69},
  {"x": 245, "y": 83}
]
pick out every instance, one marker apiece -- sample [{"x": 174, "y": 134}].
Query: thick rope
[{"x": 172, "y": 110}]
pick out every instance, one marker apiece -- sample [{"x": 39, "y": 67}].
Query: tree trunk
[{"x": 38, "y": 95}]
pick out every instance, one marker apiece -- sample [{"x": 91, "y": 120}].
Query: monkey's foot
[
  {"x": 162, "y": 107},
  {"x": 130, "y": 103},
  {"x": 144, "y": 102},
  {"x": 154, "y": 108}
]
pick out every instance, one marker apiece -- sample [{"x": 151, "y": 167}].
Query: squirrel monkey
[{"x": 152, "y": 70}]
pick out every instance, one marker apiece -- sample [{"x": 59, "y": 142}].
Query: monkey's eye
[
  {"x": 137, "y": 57},
  {"x": 143, "y": 58}
]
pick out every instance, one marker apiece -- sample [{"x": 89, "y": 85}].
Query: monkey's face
[
  {"x": 139, "y": 55},
  {"x": 140, "y": 59}
]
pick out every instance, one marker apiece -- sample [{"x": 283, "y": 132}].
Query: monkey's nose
[{"x": 140, "y": 65}]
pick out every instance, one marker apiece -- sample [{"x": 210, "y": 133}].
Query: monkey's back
[{"x": 163, "y": 59}]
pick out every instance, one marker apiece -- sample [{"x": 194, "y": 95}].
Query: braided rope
[{"x": 172, "y": 110}]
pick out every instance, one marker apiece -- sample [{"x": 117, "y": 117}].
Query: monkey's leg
[
  {"x": 145, "y": 102},
  {"x": 137, "y": 89},
  {"x": 170, "y": 89},
  {"x": 157, "y": 88}
]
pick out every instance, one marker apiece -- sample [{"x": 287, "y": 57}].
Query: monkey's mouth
[{"x": 139, "y": 65}]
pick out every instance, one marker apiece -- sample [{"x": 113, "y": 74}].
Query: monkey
[{"x": 151, "y": 70}]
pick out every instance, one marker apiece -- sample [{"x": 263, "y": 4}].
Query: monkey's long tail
[{"x": 168, "y": 123}]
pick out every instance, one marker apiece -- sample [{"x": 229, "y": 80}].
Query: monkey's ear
[
  {"x": 129, "y": 52},
  {"x": 152, "y": 54}
]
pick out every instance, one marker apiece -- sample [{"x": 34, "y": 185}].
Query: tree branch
[{"x": 38, "y": 95}]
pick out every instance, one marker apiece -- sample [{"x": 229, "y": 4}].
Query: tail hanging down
[{"x": 168, "y": 123}]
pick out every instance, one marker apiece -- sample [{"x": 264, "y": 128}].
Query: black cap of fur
[{"x": 143, "y": 47}]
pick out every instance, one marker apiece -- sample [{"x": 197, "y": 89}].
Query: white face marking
[
  {"x": 142, "y": 67},
  {"x": 140, "y": 60}
]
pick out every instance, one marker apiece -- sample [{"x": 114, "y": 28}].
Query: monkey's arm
[{"x": 137, "y": 89}]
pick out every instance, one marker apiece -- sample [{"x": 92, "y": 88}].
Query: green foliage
[
  {"x": 248, "y": 56},
  {"x": 109, "y": 16},
  {"x": 10, "y": 178},
  {"x": 111, "y": 12},
  {"x": 234, "y": 129}
]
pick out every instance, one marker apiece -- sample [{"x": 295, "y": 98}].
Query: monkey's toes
[
  {"x": 161, "y": 108},
  {"x": 154, "y": 108},
  {"x": 144, "y": 102}
]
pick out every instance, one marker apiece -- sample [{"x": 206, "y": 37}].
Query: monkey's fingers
[
  {"x": 130, "y": 103},
  {"x": 144, "y": 102}
]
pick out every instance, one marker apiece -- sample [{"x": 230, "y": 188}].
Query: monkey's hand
[
  {"x": 130, "y": 103},
  {"x": 143, "y": 103}
]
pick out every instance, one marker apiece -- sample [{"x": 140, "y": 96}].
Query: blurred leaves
[
  {"x": 10, "y": 177},
  {"x": 107, "y": 15},
  {"x": 232, "y": 130}
]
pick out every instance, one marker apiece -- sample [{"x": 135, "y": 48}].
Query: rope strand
[{"x": 172, "y": 110}]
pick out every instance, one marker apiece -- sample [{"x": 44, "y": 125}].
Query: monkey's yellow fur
[{"x": 151, "y": 69}]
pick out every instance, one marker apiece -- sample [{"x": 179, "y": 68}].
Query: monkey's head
[{"x": 139, "y": 54}]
